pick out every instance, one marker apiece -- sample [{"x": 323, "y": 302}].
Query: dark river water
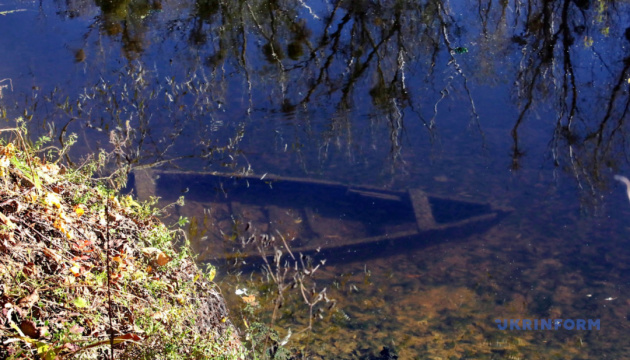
[{"x": 452, "y": 162}]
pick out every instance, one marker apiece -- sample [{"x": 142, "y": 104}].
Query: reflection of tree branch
[
  {"x": 459, "y": 71},
  {"x": 362, "y": 66},
  {"x": 329, "y": 60},
  {"x": 517, "y": 153},
  {"x": 244, "y": 64},
  {"x": 615, "y": 92},
  {"x": 545, "y": 52},
  {"x": 568, "y": 81}
]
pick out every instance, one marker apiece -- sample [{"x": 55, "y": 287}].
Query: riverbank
[{"x": 87, "y": 273}]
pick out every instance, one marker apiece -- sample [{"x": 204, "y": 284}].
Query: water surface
[{"x": 522, "y": 105}]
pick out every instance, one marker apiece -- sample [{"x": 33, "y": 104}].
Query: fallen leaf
[
  {"x": 76, "y": 329},
  {"x": 8, "y": 150},
  {"x": 162, "y": 259},
  {"x": 28, "y": 301},
  {"x": 4, "y": 235},
  {"x": 29, "y": 269},
  {"x": 30, "y": 329},
  {"x": 75, "y": 270},
  {"x": 53, "y": 199},
  {"x": 83, "y": 244},
  {"x": 250, "y": 300},
  {"x": 157, "y": 255},
  {"x": 80, "y": 302},
  {"x": 6, "y": 221},
  {"x": 12, "y": 206},
  {"x": 78, "y": 209},
  {"x": 45, "y": 352},
  {"x": 51, "y": 254},
  {"x": 81, "y": 258},
  {"x": 70, "y": 347}
]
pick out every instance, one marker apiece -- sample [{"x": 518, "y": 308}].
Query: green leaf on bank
[{"x": 80, "y": 302}]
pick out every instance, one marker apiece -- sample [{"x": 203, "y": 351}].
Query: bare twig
[{"x": 109, "y": 292}]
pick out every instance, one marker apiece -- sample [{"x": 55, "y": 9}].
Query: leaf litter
[{"x": 58, "y": 230}]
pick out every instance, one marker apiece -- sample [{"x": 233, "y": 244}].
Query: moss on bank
[{"x": 85, "y": 273}]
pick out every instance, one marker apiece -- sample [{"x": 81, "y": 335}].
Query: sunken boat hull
[{"x": 336, "y": 221}]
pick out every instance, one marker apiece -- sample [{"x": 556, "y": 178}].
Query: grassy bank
[{"x": 87, "y": 273}]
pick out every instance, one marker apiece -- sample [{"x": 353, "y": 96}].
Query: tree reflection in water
[{"x": 397, "y": 61}]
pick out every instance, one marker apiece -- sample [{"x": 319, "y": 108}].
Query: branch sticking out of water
[{"x": 626, "y": 182}]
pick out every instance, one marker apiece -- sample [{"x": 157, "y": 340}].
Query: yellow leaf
[
  {"x": 79, "y": 210},
  {"x": 250, "y": 300},
  {"x": 53, "y": 199},
  {"x": 213, "y": 273},
  {"x": 80, "y": 302},
  {"x": 129, "y": 201},
  {"x": 58, "y": 224},
  {"x": 44, "y": 351},
  {"x": 31, "y": 197},
  {"x": 114, "y": 201},
  {"x": 75, "y": 269},
  {"x": 8, "y": 150},
  {"x": 138, "y": 275}
]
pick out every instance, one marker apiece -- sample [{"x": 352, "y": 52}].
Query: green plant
[{"x": 87, "y": 273}]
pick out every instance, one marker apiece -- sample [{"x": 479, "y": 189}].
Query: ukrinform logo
[{"x": 547, "y": 324}]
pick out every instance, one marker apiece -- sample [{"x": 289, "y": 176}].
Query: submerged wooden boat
[{"x": 314, "y": 216}]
